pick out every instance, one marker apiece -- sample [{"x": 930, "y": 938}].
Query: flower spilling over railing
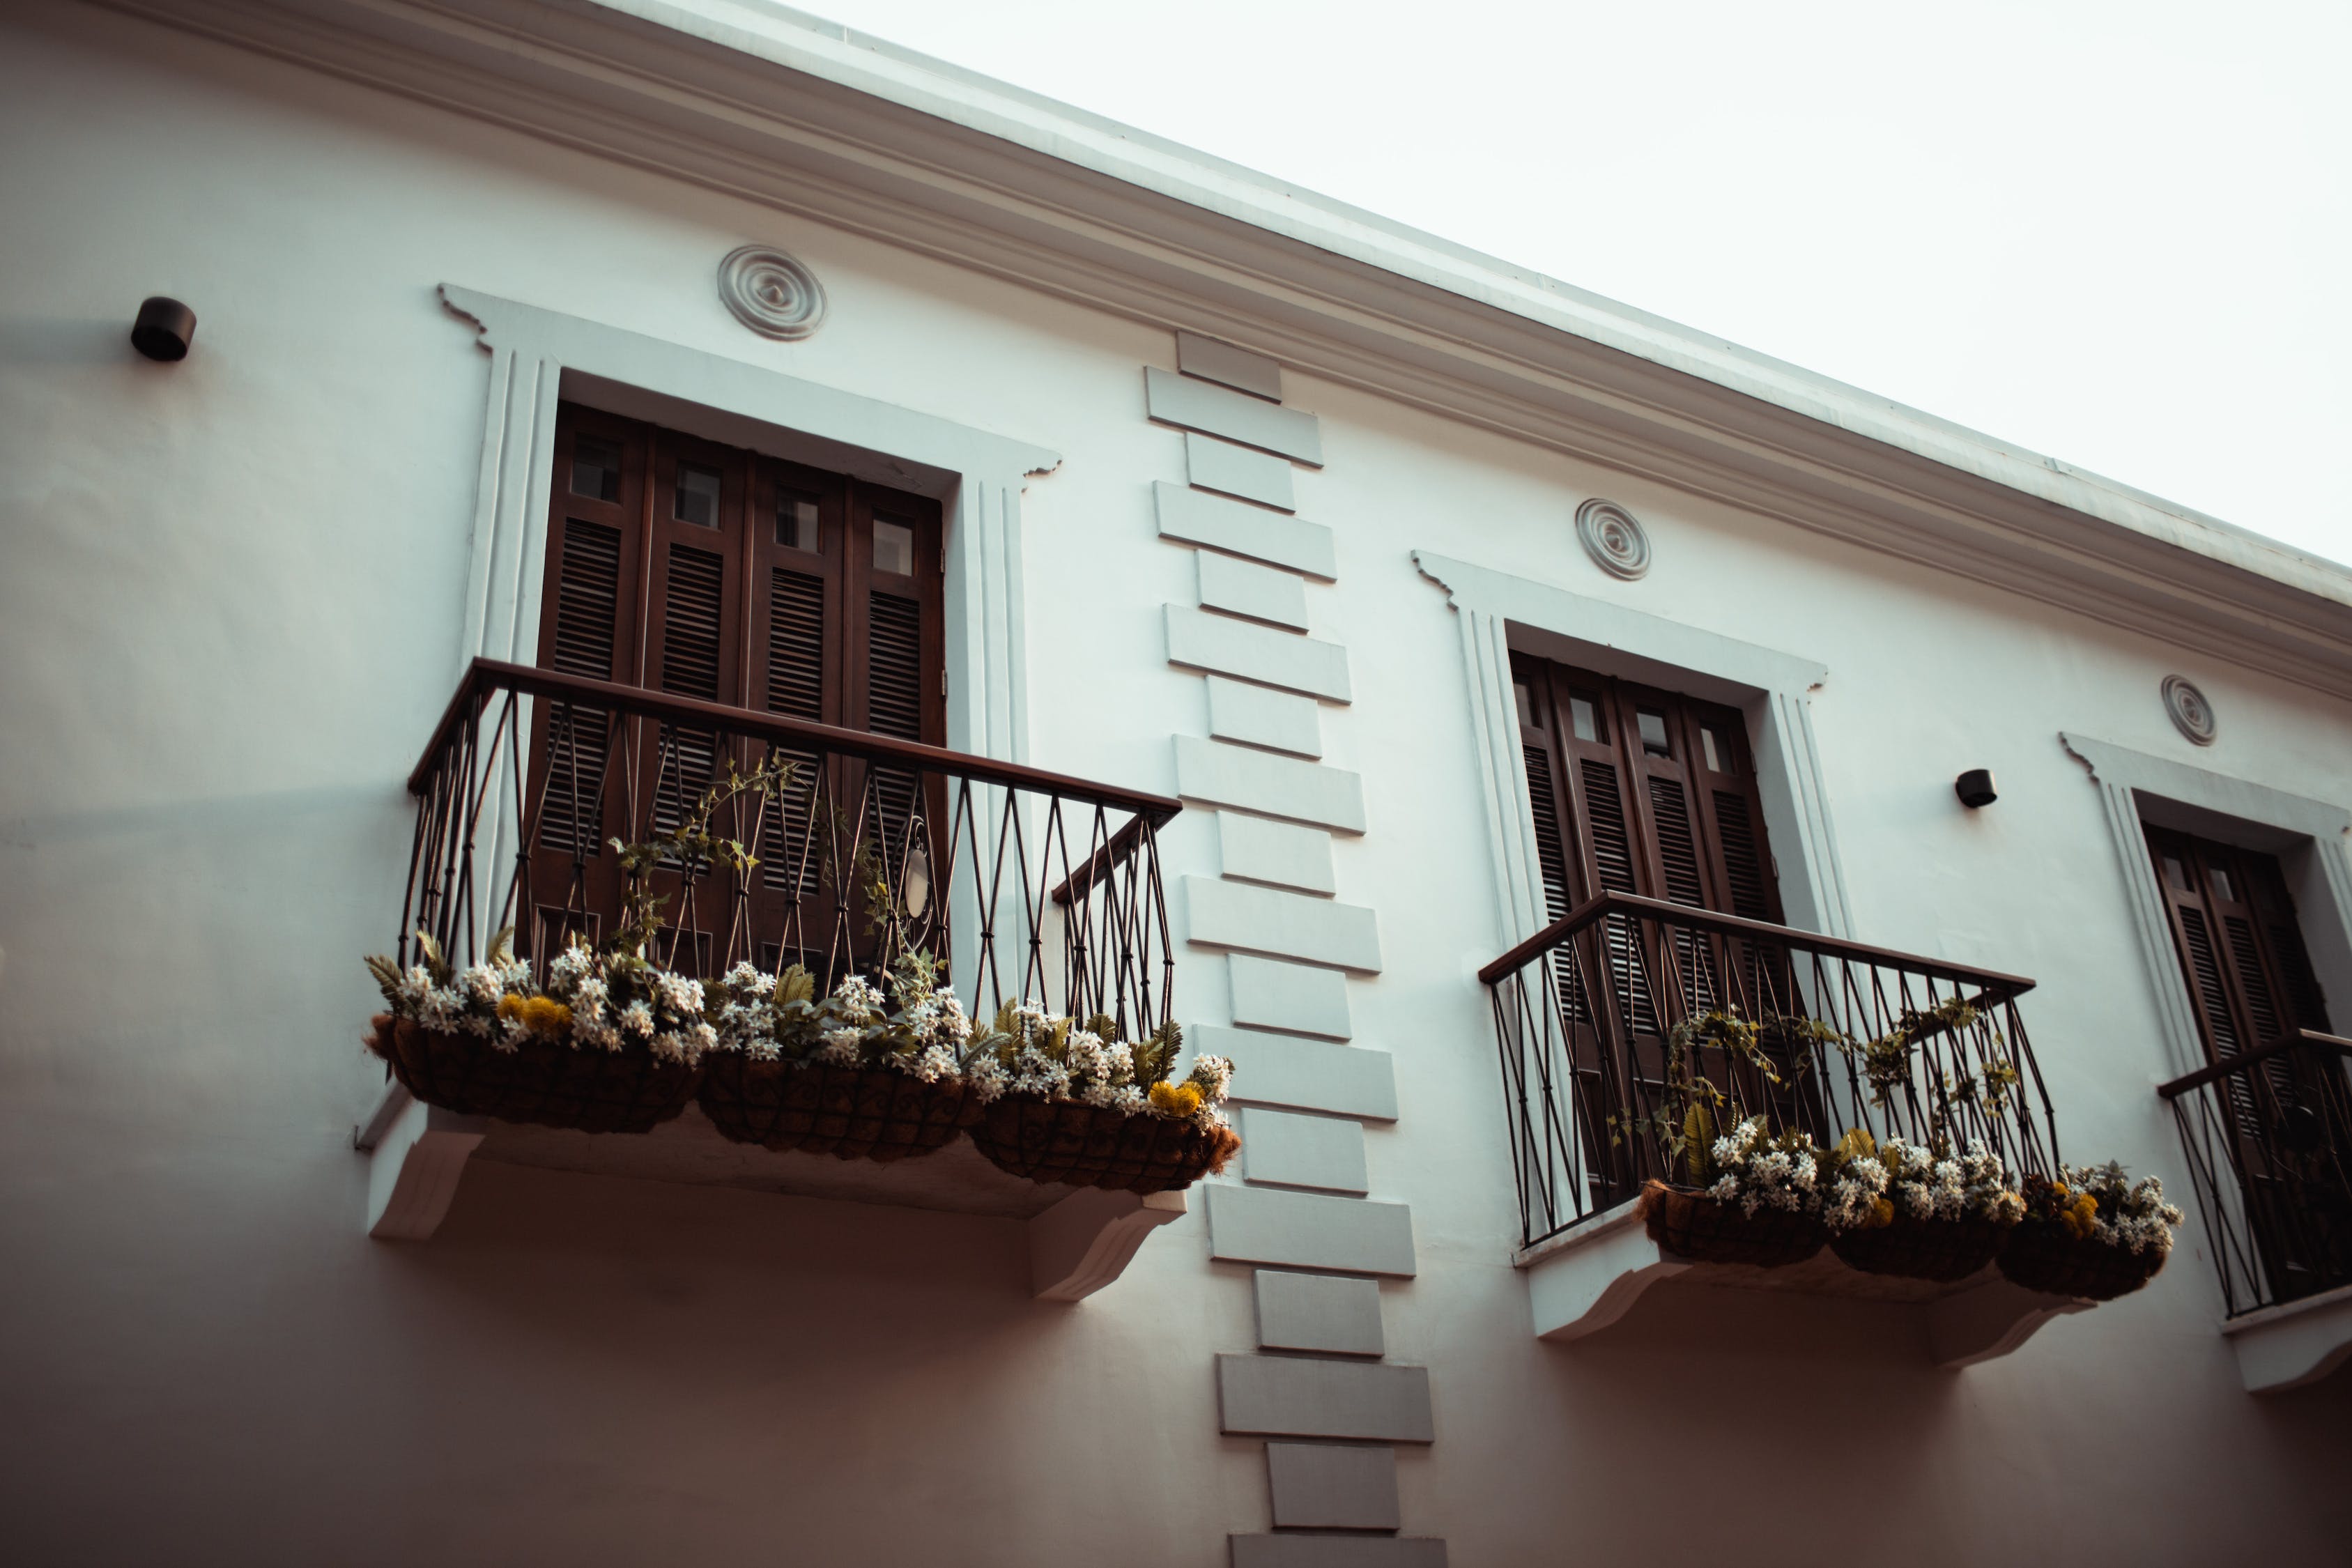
[
  {"x": 783, "y": 920},
  {"x": 2268, "y": 1133}
]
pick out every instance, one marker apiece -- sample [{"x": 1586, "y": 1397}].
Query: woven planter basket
[
  {"x": 1692, "y": 1225},
  {"x": 851, "y": 1113},
  {"x": 1092, "y": 1146},
  {"x": 2044, "y": 1256},
  {"x": 1939, "y": 1249},
  {"x": 548, "y": 1082}
]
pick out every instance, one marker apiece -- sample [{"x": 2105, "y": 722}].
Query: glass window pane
[
  {"x": 1707, "y": 744},
  {"x": 797, "y": 523},
  {"x": 2176, "y": 873},
  {"x": 697, "y": 500},
  {"x": 1528, "y": 716},
  {"x": 1586, "y": 719},
  {"x": 894, "y": 547},
  {"x": 595, "y": 468},
  {"x": 2222, "y": 884},
  {"x": 1654, "y": 733}
]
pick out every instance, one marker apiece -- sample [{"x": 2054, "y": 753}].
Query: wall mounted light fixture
[
  {"x": 1975, "y": 788},
  {"x": 165, "y": 329}
]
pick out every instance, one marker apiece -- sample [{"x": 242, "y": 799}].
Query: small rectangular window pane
[
  {"x": 1654, "y": 733},
  {"x": 697, "y": 500},
  {"x": 2222, "y": 884},
  {"x": 1585, "y": 716},
  {"x": 894, "y": 547},
  {"x": 595, "y": 468},
  {"x": 2176, "y": 873},
  {"x": 1527, "y": 717},
  {"x": 1707, "y": 744},
  {"x": 797, "y": 523}
]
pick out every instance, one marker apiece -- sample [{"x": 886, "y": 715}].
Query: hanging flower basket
[
  {"x": 822, "y": 1108},
  {"x": 2044, "y": 1256},
  {"x": 1686, "y": 1222},
  {"x": 551, "y": 1082},
  {"x": 1940, "y": 1249},
  {"x": 1096, "y": 1146}
]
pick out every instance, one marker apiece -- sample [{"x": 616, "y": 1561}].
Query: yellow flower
[
  {"x": 2081, "y": 1216},
  {"x": 545, "y": 1016},
  {"x": 1177, "y": 1100},
  {"x": 511, "y": 1005},
  {"x": 1882, "y": 1213}
]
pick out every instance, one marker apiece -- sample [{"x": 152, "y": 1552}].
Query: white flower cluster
[
  {"x": 1760, "y": 1174},
  {"x": 1850, "y": 1199},
  {"x": 1972, "y": 1185},
  {"x": 469, "y": 1005},
  {"x": 668, "y": 1023},
  {"x": 770, "y": 1020},
  {"x": 2133, "y": 1217}
]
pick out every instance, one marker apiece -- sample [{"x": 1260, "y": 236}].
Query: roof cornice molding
[{"x": 784, "y": 110}]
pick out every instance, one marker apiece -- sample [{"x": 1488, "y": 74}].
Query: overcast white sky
[{"x": 2119, "y": 234}]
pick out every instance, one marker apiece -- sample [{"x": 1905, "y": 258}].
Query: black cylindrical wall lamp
[
  {"x": 165, "y": 329},
  {"x": 1975, "y": 788}
]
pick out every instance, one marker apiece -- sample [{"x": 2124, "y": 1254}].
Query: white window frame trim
[{"x": 1774, "y": 689}]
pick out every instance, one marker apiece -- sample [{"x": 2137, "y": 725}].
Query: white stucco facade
[{"x": 239, "y": 590}]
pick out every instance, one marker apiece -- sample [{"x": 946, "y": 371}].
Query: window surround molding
[
  {"x": 1499, "y": 612},
  {"x": 2134, "y": 785},
  {"x": 539, "y": 357}
]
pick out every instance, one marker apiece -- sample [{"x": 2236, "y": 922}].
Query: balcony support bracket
[
  {"x": 2288, "y": 1346},
  {"x": 1990, "y": 1318},
  {"x": 1086, "y": 1240},
  {"x": 417, "y": 1153}
]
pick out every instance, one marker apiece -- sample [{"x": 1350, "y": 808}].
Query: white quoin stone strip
[
  {"x": 1224, "y": 774},
  {"x": 1307, "y": 1075},
  {"x": 1246, "y": 588},
  {"x": 1323, "y": 1151},
  {"x": 1264, "y": 654},
  {"x": 1308, "y": 1230},
  {"x": 1193, "y": 405},
  {"x": 1282, "y": 925},
  {"x": 1333, "y": 1313},
  {"x": 1292, "y": 1396},
  {"x": 1280, "y": 854},
  {"x": 1257, "y": 716},
  {"x": 1213, "y": 465},
  {"x": 1332, "y": 1486},
  {"x": 1195, "y": 517},
  {"x": 1229, "y": 366},
  {"x": 1296, "y": 998}
]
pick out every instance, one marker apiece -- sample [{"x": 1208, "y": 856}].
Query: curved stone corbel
[
  {"x": 1086, "y": 1240},
  {"x": 415, "y": 1154}
]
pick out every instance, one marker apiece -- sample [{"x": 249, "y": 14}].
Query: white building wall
[{"x": 229, "y": 614}]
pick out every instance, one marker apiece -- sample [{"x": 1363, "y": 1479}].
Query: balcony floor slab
[
  {"x": 1592, "y": 1276},
  {"x": 2294, "y": 1344}
]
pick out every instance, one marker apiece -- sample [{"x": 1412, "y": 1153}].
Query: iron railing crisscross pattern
[
  {"x": 1583, "y": 1011},
  {"x": 1029, "y": 885},
  {"x": 2268, "y": 1136}
]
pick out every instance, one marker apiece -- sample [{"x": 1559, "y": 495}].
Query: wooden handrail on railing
[
  {"x": 2301, "y": 1040},
  {"x": 486, "y": 675}
]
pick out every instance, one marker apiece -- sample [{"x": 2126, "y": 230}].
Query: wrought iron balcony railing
[
  {"x": 1848, "y": 1035},
  {"x": 2269, "y": 1139},
  {"x": 1030, "y": 885}
]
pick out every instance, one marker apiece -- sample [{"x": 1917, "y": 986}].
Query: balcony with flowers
[
  {"x": 1698, "y": 1100},
  {"x": 651, "y": 937}
]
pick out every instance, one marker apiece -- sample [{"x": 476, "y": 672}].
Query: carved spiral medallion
[
  {"x": 2190, "y": 712},
  {"x": 770, "y": 292},
  {"x": 1613, "y": 540}
]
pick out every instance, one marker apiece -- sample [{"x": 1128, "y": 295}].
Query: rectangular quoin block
[
  {"x": 1222, "y": 362},
  {"x": 1337, "y": 1551},
  {"x": 1326, "y": 1151},
  {"x": 1308, "y": 1230},
  {"x": 1327, "y": 1313},
  {"x": 1283, "y": 853},
  {"x": 1292, "y": 1396},
  {"x": 1276, "y": 1069},
  {"x": 1193, "y": 405},
  {"x": 1196, "y": 517},
  {"x": 1225, "y": 774},
  {"x": 1297, "y": 998},
  {"x": 1246, "y": 588},
  {"x": 1330, "y": 1485},
  {"x": 1256, "y": 716},
  {"x": 1213, "y": 465},
  {"x": 1263, "y": 654},
  {"x": 1285, "y": 925}
]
